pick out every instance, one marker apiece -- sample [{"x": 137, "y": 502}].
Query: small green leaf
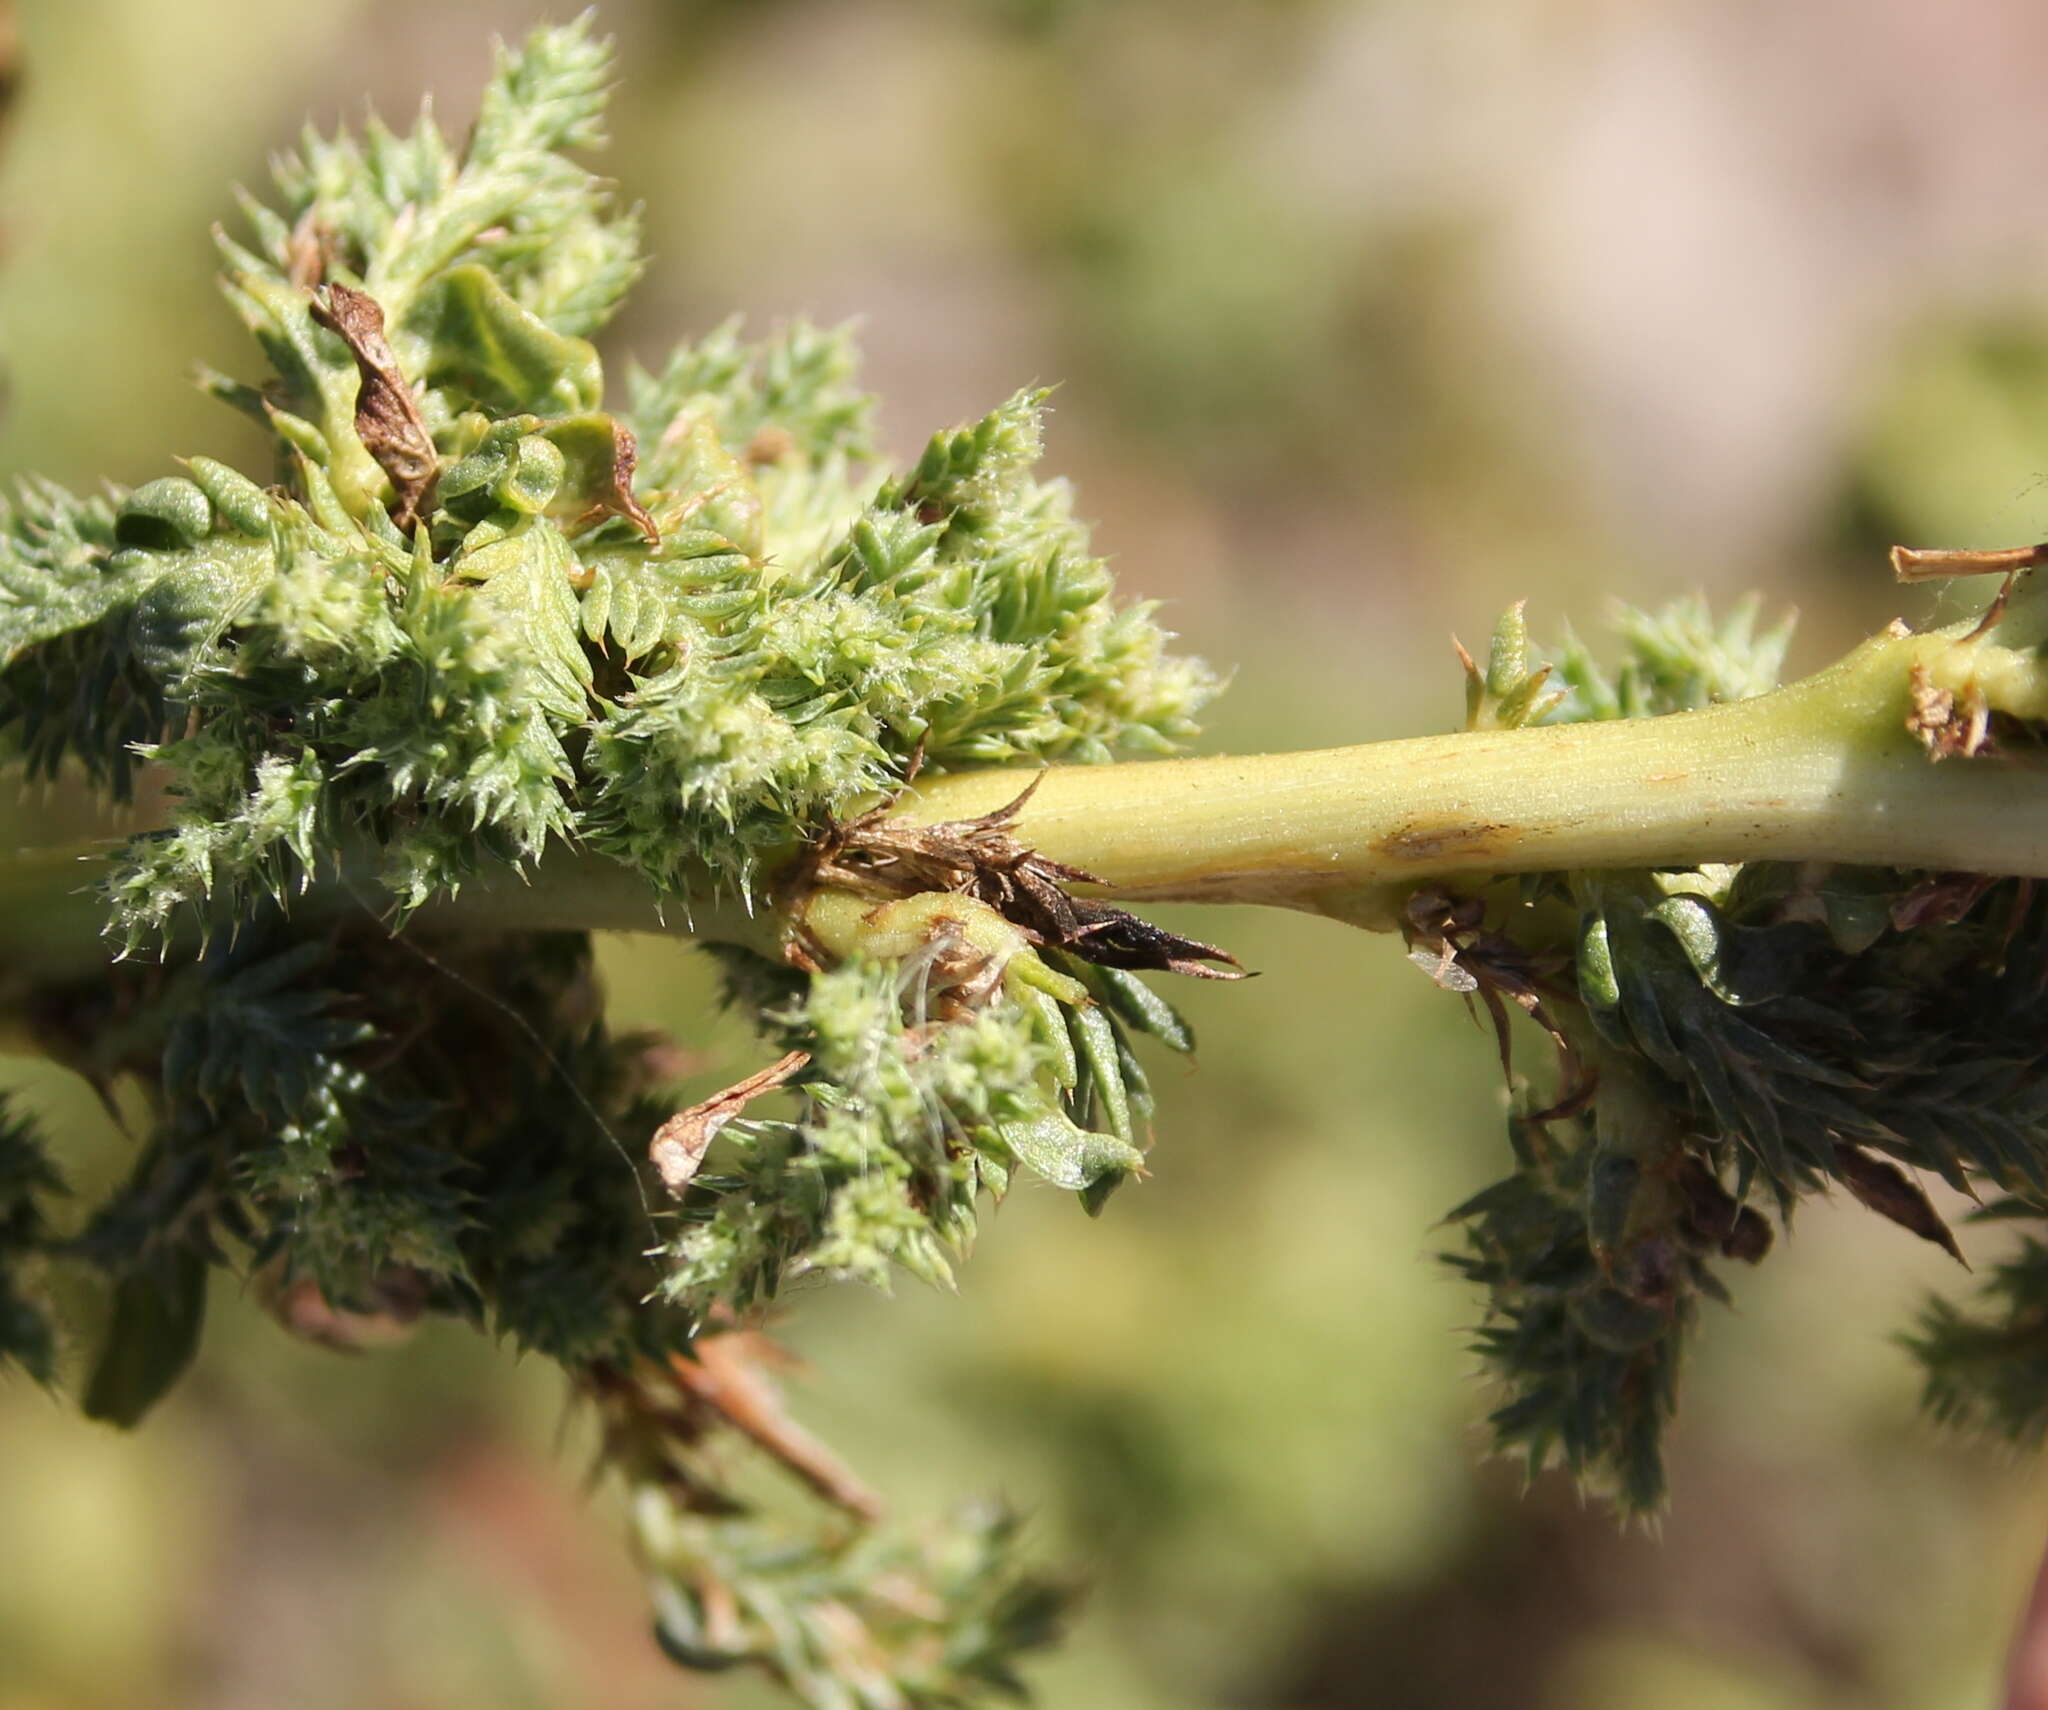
[
  {"x": 1096, "y": 1037},
  {"x": 165, "y": 515},
  {"x": 1067, "y": 1155},
  {"x": 1134, "y": 1003},
  {"x": 1696, "y": 925},
  {"x": 1051, "y": 1018},
  {"x": 523, "y": 584},
  {"x": 1507, "y": 661},
  {"x": 480, "y": 343},
  {"x": 236, "y": 499},
  {"x": 1598, "y": 985},
  {"x": 159, "y": 1311},
  {"x": 1618, "y": 1323}
]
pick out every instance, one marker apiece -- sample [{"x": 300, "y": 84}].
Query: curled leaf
[
  {"x": 1890, "y": 1192},
  {"x": 482, "y": 342},
  {"x": 601, "y": 455},
  {"x": 1068, "y": 1155},
  {"x": 388, "y": 418},
  {"x": 680, "y": 1143},
  {"x": 159, "y": 1311}
]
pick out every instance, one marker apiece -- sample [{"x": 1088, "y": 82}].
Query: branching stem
[{"x": 1825, "y": 769}]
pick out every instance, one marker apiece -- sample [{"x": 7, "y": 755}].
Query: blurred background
[{"x": 1370, "y": 317}]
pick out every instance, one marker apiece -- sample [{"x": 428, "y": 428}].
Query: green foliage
[
  {"x": 1729, "y": 1035},
  {"x": 684, "y": 694},
  {"x": 355, "y": 1113},
  {"x": 799, "y": 388},
  {"x": 1590, "y": 1362},
  {"x": 1989, "y": 1371},
  {"x": 822, "y": 1620},
  {"x": 1675, "y": 660},
  {"x": 687, "y": 695},
  {"x": 477, "y": 625},
  {"x": 474, "y": 620},
  {"x": 898, "y": 1144},
  {"x": 27, "y": 1180}
]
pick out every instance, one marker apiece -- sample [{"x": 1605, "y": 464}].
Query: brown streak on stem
[
  {"x": 1419, "y": 842},
  {"x": 617, "y": 498}
]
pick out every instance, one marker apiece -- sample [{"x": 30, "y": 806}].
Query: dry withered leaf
[
  {"x": 1940, "y": 901},
  {"x": 1890, "y": 1192},
  {"x": 387, "y": 415},
  {"x": 396, "y": 1302},
  {"x": 1113, "y": 937},
  {"x": 1916, "y": 564},
  {"x": 1713, "y": 1215},
  {"x": 770, "y": 444},
  {"x": 876, "y": 855},
  {"x": 672, "y": 1412},
  {"x": 309, "y": 252},
  {"x": 679, "y": 1144},
  {"x": 1748, "y": 1237}
]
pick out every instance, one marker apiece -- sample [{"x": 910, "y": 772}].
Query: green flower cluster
[
  {"x": 1727, "y": 1035},
  {"x": 683, "y": 665},
  {"x": 920, "y": 1103},
  {"x": 472, "y": 621},
  {"x": 477, "y": 627}
]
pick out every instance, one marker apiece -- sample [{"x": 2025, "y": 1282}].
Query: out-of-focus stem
[{"x": 52, "y": 916}]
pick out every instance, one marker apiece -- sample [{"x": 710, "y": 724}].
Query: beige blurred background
[{"x": 1370, "y": 316}]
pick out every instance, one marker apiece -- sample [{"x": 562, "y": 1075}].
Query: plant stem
[
  {"x": 52, "y": 917},
  {"x": 1825, "y": 769}
]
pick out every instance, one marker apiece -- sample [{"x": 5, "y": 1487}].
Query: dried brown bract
[
  {"x": 1890, "y": 1192},
  {"x": 1916, "y": 564},
  {"x": 1940, "y": 901},
  {"x": 310, "y": 252},
  {"x": 770, "y": 445},
  {"x": 1945, "y": 726},
  {"x": 671, "y": 1413},
  {"x": 726, "y": 1375},
  {"x": 877, "y": 855},
  {"x": 679, "y": 1144},
  {"x": 397, "y": 1301},
  {"x": 387, "y": 415},
  {"x": 1714, "y": 1216},
  {"x": 1447, "y": 938}
]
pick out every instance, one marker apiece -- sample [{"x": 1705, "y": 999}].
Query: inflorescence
[{"x": 474, "y": 622}]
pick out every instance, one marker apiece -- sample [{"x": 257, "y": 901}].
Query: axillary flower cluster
[{"x": 484, "y": 664}]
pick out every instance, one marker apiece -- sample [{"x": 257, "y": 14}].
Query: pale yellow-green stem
[{"x": 1826, "y": 769}]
